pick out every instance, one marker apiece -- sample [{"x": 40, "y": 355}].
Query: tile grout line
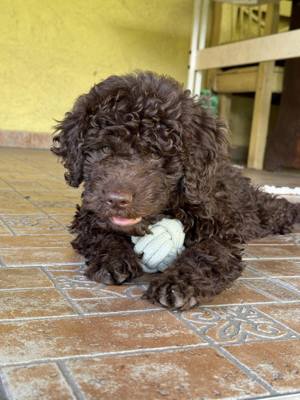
[
  {"x": 72, "y": 303},
  {"x": 36, "y": 206},
  {"x": 264, "y": 274},
  {"x": 297, "y": 334},
  {"x": 129, "y": 352},
  {"x": 78, "y": 316},
  {"x": 7, "y": 226},
  {"x": 261, "y": 291},
  {"x": 251, "y": 278},
  {"x": 273, "y": 244},
  {"x": 287, "y": 258},
  {"x": 229, "y": 357},
  {"x": 41, "y": 265},
  {"x": 278, "y": 283},
  {"x": 287, "y": 285},
  {"x": 284, "y": 396},
  {"x": 27, "y": 289},
  {"x": 78, "y": 395},
  {"x": 4, "y": 387}
]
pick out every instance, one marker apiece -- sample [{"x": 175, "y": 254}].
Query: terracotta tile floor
[{"x": 64, "y": 337}]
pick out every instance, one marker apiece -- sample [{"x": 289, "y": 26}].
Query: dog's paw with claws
[
  {"x": 172, "y": 293},
  {"x": 114, "y": 272}
]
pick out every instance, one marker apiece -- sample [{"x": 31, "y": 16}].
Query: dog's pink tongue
[{"x": 125, "y": 221}]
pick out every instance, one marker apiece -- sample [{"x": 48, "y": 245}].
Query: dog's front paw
[
  {"x": 171, "y": 292},
  {"x": 114, "y": 271}
]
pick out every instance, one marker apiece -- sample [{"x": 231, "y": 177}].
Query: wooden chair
[{"x": 263, "y": 79}]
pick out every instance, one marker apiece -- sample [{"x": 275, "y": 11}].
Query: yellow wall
[{"x": 53, "y": 50}]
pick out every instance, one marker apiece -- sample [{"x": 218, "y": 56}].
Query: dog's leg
[
  {"x": 276, "y": 215},
  {"x": 111, "y": 260},
  {"x": 198, "y": 274}
]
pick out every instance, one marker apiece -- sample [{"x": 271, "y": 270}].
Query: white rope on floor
[{"x": 284, "y": 190}]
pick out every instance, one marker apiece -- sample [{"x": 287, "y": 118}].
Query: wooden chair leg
[
  {"x": 263, "y": 98},
  {"x": 225, "y": 107},
  {"x": 261, "y": 114}
]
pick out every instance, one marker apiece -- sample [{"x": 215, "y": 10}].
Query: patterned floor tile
[
  {"x": 79, "y": 287},
  {"x": 106, "y": 305},
  {"x": 23, "y": 278},
  {"x": 295, "y": 282},
  {"x": 23, "y": 187},
  {"x": 276, "y": 267},
  {"x": 176, "y": 375},
  {"x": 89, "y": 335},
  {"x": 4, "y": 186},
  {"x": 31, "y": 241},
  {"x": 291, "y": 238},
  {"x": 39, "y": 256},
  {"x": 33, "y": 224},
  {"x": 64, "y": 219},
  {"x": 109, "y": 343},
  {"x": 276, "y": 251},
  {"x": 274, "y": 289},
  {"x": 14, "y": 203},
  {"x": 33, "y": 303},
  {"x": 239, "y": 293},
  {"x": 288, "y": 314},
  {"x": 236, "y": 325},
  {"x": 37, "y": 382},
  {"x": 277, "y": 362},
  {"x": 4, "y": 231},
  {"x": 52, "y": 203},
  {"x": 102, "y": 291}
]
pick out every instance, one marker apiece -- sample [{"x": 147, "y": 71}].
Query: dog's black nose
[{"x": 119, "y": 199}]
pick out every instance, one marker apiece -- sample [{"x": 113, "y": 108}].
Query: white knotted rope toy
[{"x": 161, "y": 246}]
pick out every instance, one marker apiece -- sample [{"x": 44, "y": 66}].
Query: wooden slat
[
  {"x": 263, "y": 98},
  {"x": 247, "y": 2},
  {"x": 272, "y": 47},
  {"x": 261, "y": 113},
  {"x": 243, "y": 80}
]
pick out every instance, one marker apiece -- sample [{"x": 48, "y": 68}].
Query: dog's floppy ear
[
  {"x": 69, "y": 138},
  {"x": 205, "y": 144}
]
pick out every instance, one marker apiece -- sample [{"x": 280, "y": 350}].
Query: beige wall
[{"x": 53, "y": 50}]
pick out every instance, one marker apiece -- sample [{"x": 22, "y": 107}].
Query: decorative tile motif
[
  {"x": 93, "y": 297},
  {"x": 288, "y": 314},
  {"x": 73, "y": 280},
  {"x": 33, "y": 224},
  {"x": 236, "y": 325}
]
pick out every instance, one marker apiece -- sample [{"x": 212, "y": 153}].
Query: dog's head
[{"x": 142, "y": 146}]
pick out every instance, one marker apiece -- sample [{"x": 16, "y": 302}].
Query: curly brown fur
[{"x": 145, "y": 149}]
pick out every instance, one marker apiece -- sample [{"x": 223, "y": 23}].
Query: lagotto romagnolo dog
[{"x": 146, "y": 150}]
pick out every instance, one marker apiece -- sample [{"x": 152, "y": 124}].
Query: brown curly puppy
[{"x": 145, "y": 149}]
